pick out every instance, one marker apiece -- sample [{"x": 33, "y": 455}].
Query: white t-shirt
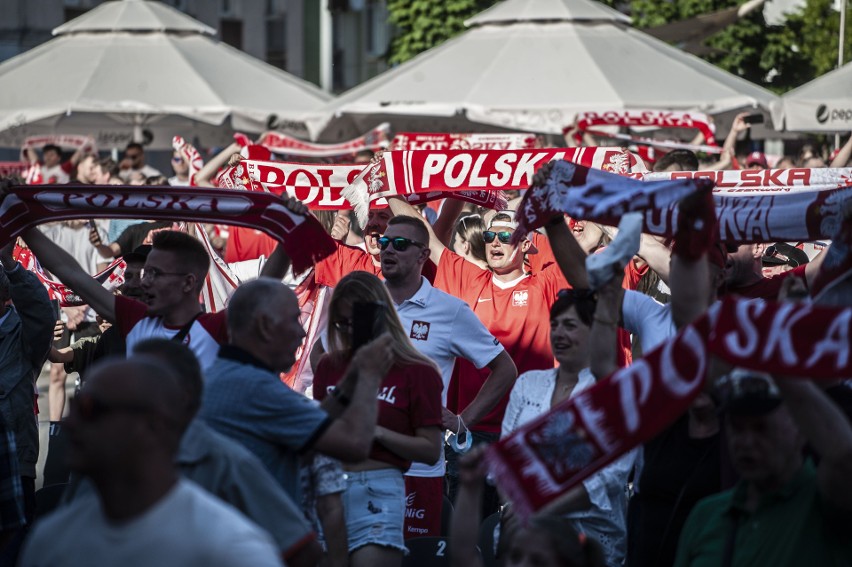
[
  {"x": 54, "y": 174},
  {"x": 444, "y": 328},
  {"x": 647, "y": 318},
  {"x": 187, "y": 527}
]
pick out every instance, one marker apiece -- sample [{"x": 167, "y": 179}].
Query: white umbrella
[
  {"x": 531, "y": 65},
  {"x": 141, "y": 69},
  {"x": 822, "y": 105}
]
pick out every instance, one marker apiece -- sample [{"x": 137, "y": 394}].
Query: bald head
[
  {"x": 263, "y": 319},
  {"x": 255, "y": 298}
]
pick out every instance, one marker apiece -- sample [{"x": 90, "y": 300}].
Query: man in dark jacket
[{"x": 26, "y": 333}]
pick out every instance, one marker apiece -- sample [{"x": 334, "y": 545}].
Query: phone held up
[
  {"x": 368, "y": 322},
  {"x": 754, "y": 119}
]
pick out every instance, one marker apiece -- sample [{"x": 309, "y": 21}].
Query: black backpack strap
[{"x": 184, "y": 331}]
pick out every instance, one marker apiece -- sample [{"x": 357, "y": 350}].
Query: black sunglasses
[
  {"x": 503, "y": 236},
  {"x": 400, "y": 244}
]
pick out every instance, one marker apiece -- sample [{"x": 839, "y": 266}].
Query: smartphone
[
  {"x": 754, "y": 119},
  {"x": 368, "y": 322},
  {"x": 56, "y": 313}
]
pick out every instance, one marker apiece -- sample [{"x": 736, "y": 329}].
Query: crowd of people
[{"x": 432, "y": 336}]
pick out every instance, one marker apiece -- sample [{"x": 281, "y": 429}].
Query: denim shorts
[{"x": 374, "y": 504}]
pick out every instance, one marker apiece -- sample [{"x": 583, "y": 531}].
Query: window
[
  {"x": 276, "y": 41},
  {"x": 231, "y": 31}
]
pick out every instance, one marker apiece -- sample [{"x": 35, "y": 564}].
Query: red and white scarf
[
  {"x": 190, "y": 155},
  {"x": 374, "y": 140},
  {"x": 110, "y": 277},
  {"x": 64, "y": 141},
  {"x": 320, "y": 186},
  {"x": 25, "y": 207},
  {"x": 554, "y": 453},
  {"x": 456, "y": 172},
  {"x": 649, "y": 118},
  {"x": 445, "y": 141},
  {"x": 802, "y": 212}
]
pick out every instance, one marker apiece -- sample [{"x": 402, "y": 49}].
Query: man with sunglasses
[
  {"x": 181, "y": 169},
  {"x": 513, "y": 305},
  {"x": 445, "y": 329},
  {"x": 134, "y": 163}
]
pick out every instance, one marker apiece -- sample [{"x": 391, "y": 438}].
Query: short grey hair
[{"x": 249, "y": 299}]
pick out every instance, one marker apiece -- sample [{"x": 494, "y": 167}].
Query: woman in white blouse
[{"x": 583, "y": 340}]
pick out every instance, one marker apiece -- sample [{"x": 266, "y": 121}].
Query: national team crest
[
  {"x": 520, "y": 298},
  {"x": 419, "y": 330}
]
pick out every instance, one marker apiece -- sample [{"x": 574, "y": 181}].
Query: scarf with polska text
[
  {"x": 805, "y": 205},
  {"x": 374, "y": 140},
  {"x": 25, "y": 207},
  {"x": 448, "y": 141},
  {"x": 662, "y": 119},
  {"x": 404, "y": 173},
  {"x": 549, "y": 456},
  {"x": 320, "y": 186},
  {"x": 110, "y": 278}
]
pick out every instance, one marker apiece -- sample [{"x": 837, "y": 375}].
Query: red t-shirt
[
  {"x": 517, "y": 316},
  {"x": 346, "y": 259},
  {"x": 544, "y": 258},
  {"x": 768, "y": 288},
  {"x": 409, "y": 398},
  {"x": 248, "y": 244}
]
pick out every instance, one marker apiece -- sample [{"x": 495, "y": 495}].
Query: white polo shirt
[{"x": 444, "y": 328}]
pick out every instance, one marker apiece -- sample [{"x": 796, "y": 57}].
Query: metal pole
[
  {"x": 840, "y": 53},
  {"x": 326, "y": 40}
]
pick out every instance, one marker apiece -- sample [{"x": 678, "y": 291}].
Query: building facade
[{"x": 335, "y": 44}]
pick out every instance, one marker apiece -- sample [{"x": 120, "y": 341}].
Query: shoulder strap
[{"x": 184, "y": 331}]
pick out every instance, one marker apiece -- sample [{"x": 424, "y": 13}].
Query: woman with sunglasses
[
  {"x": 582, "y": 337},
  {"x": 408, "y": 423}
]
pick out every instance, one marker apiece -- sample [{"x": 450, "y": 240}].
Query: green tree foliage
[
  {"x": 778, "y": 57},
  {"x": 815, "y": 28},
  {"x": 423, "y": 24}
]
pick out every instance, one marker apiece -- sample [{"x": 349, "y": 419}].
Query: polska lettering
[
  {"x": 151, "y": 201},
  {"x": 555, "y": 452},
  {"x": 642, "y": 118},
  {"x": 510, "y": 170}
]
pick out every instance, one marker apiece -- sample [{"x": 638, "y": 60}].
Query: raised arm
[
  {"x": 278, "y": 263},
  {"x": 205, "y": 175},
  {"x": 842, "y": 157},
  {"x": 61, "y": 264},
  {"x": 446, "y": 221},
  {"x": 570, "y": 256},
  {"x": 730, "y": 145},
  {"x": 690, "y": 271},
  {"x": 401, "y": 207},
  {"x": 33, "y": 306},
  {"x": 604, "y": 336}
]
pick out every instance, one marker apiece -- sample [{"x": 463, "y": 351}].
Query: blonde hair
[{"x": 363, "y": 287}]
